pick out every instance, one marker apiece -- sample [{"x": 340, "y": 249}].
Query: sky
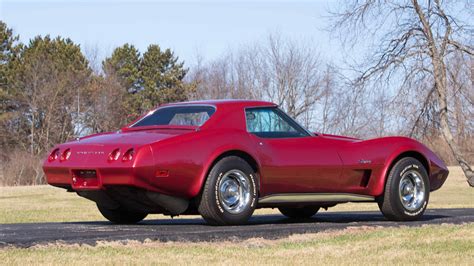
[{"x": 190, "y": 28}]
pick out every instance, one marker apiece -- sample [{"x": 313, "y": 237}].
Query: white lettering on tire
[
  {"x": 408, "y": 168},
  {"x": 254, "y": 190},
  {"x": 216, "y": 192},
  {"x": 417, "y": 212}
]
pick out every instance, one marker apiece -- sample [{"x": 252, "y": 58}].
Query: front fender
[{"x": 410, "y": 147}]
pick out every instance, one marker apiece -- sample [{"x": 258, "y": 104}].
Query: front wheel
[
  {"x": 406, "y": 192},
  {"x": 229, "y": 195},
  {"x": 121, "y": 216}
]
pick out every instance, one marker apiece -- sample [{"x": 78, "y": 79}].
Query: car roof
[
  {"x": 225, "y": 115},
  {"x": 226, "y": 102}
]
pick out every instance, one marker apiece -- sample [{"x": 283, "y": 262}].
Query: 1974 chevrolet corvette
[{"x": 223, "y": 159}]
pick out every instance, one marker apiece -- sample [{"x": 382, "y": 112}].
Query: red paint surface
[{"x": 319, "y": 163}]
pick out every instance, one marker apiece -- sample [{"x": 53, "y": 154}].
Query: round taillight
[
  {"x": 53, "y": 155},
  {"x": 65, "y": 155},
  {"x": 114, "y": 155},
  {"x": 128, "y": 155}
]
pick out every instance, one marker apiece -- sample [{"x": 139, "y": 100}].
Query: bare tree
[
  {"x": 342, "y": 109},
  {"x": 414, "y": 43},
  {"x": 291, "y": 76},
  {"x": 279, "y": 70},
  {"x": 104, "y": 110},
  {"x": 48, "y": 102}
]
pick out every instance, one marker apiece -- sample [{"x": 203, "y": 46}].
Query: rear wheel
[
  {"x": 406, "y": 192},
  {"x": 299, "y": 213},
  {"x": 121, "y": 216},
  {"x": 229, "y": 195}
]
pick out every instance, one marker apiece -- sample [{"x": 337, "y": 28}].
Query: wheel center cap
[
  {"x": 232, "y": 191},
  {"x": 408, "y": 189}
]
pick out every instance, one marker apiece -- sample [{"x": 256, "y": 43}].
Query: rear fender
[{"x": 213, "y": 159}]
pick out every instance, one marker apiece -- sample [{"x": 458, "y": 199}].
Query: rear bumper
[
  {"x": 79, "y": 178},
  {"x": 114, "y": 187}
]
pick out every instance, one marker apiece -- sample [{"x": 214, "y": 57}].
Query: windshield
[{"x": 178, "y": 116}]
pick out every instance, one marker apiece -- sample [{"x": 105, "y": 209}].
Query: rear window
[{"x": 178, "y": 116}]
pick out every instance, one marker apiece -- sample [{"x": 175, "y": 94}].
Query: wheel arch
[
  {"x": 394, "y": 159},
  {"x": 232, "y": 152},
  {"x": 411, "y": 153},
  {"x": 239, "y": 153}
]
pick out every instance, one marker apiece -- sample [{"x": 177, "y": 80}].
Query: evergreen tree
[
  {"x": 124, "y": 66},
  {"x": 150, "y": 80},
  {"x": 162, "y": 77},
  {"x": 9, "y": 49},
  {"x": 124, "y": 63}
]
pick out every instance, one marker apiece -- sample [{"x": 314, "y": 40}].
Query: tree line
[
  {"x": 418, "y": 83},
  {"x": 49, "y": 94}
]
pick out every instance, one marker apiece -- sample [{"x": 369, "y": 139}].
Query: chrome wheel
[
  {"x": 234, "y": 191},
  {"x": 412, "y": 190}
]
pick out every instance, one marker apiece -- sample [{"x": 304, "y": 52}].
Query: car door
[{"x": 292, "y": 159}]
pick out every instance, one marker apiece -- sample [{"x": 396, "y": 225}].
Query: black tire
[
  {"x": 391, "y": 203},
  {"x": 212, "y": 206},
  {"x": 120, "y": 216},
  {"x": 299, "y": 213}
]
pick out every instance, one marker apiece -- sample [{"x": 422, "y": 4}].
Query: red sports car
[{"x": 223, "y": 159}]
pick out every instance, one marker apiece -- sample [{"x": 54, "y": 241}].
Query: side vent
[{"x": 364, "y": 181}]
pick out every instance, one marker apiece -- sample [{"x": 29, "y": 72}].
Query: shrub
[{"x": 20, "y": 168}]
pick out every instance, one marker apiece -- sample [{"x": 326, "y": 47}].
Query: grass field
[
  {"x": 443, "y": 245},
  {"x": 434, "y": 244}
]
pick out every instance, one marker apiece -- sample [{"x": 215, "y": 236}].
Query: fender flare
[
  {"x": 411, "y": 150},
  {"x": 218, "y": 153}
]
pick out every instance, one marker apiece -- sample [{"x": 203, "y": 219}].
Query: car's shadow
[{"x": 272, "y": 219}]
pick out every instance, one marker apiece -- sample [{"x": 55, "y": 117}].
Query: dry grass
[
  {"x": 21, "y": 168},
  {"x": 48, "y": 204},
  {"x": 442, "y": 245}
]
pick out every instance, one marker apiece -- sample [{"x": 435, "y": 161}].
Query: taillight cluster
[
  {"x": 54, "y": 155},
  {"x": 115, "y": 155},
  {"x": 127, "y": 156},
  {"x": 65, "y": 155},
  {"x": 57, "y": 154}
]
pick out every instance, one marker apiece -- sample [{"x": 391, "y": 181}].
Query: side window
[{"x": 272, "y": 123}]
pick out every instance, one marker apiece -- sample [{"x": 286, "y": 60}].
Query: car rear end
[
  {"x": 77, "y": 166},
  {"x": 113, "y": 176}
]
